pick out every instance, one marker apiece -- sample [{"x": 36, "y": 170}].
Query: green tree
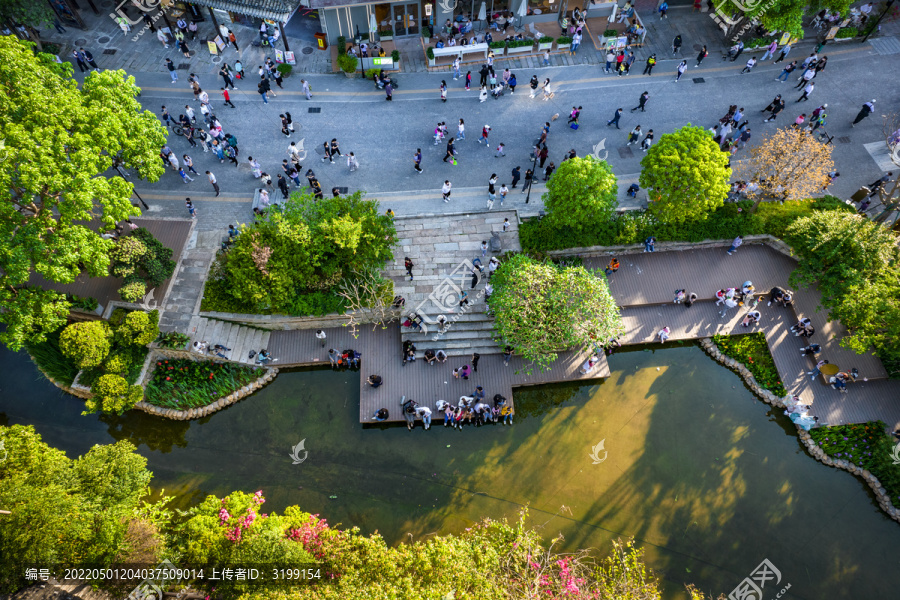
[
  {"x": 29, "y": 13},
  {"x": 686, "y": 175},
  {"x": 542, "y": 308},
  {"x": 53, "y": 179},
  {"x": 86, "y": 342},
  {"x": 112, "y": 394},
  {"x": 856, "y": 265},
  {"x": 304, "y": 246},
  {"x": 581, "y": 193},
  {"x": 139, "y": 328},
  {"x": 64, "y": 511}
]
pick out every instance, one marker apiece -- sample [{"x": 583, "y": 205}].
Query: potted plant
[
  {"x": 395, "y": 56},
  {"x": 430, "y": 54},
  {"x": 497, "y": 47},
  {"x": 284, "y": 69},
  {"x": 608, "y": 34},
  {"x": 347, "y": 64},
  {"x": 426, "y": 34},
  {"x": 545, "y": 43},
  {"x": 386, "y": 35},
  {"x": 563, "y": 41},
  {"x": 519, "y": 46},
  {"x": 846, "y": 33},
  {"x": 341, "y": 45}
]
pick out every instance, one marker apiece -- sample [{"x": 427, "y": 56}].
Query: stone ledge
[
  {"x": 766, "y": 239},
  {"x": 812, "y": 448}
]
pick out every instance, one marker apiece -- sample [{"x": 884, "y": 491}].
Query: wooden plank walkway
[
  {"x": 173, "y": 233},
  {"x": 381, "y": 354}
]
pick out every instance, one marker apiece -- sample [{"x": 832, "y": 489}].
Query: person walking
[
  {"x": 456, "y": 63},
  {"x": 388, "y": 91},
  {"x": 451, "y": 152},
  {"x": 533, "y": 84},
  {"x": 512, "y": 83},
  {"x": 89, "y": 59},
  {"x": 740, "y": 49},
  {"x": 820, "y": 65},
  {"x": 545, "y": 88},
  {"x": 701, "y": 55},
  {"x": 262, "y": 88},
  {"x": 676, "y": 45},
  {"x": 573, "y": 116},
  {"x": 807, "y": 91},
  {"x": 184, "y": 176},
  {"x": 80, "y": 60},
  {"x": 642, "y": 102},
  {"x": 500, "y": 150},
  {"x": 231, "y": 38},
  {"x": 784, "y": 52},
  {"x": 610, "y": 58},
  {"x": 482, "y": 94},
  {"x": 615, "y": 119},
  {"x": 227, "y": 97},
  {"x": 542, "y": 153},
  {"x": 461, "y": 130},
  {"x": 190, "y": 207},
  {"x": 212, "y": 180},
  {"x": 485, "y": 132},
  {"x": 749, "y": 67},
  {"x": 417, "y": 160},
  {"x": 735, "y": 244},
  {"x": 770, "y": 51},
  {"x": 634, "y": 135},
  {"x": 182, "y": 45},
  {"x": 548, "y": 172},
  {"x": 304, "y": 84},
  {"x": 321, "y": 336},
  {"x": 352, "y": 162},
  {"x": 492, "y": 195},
  {"x": 527, "y": 180},
  {"x": 786, "y": 72},
  {"x": 651, "y": 62},
  {"x": 189, "y": 163},
  {"x": 483, "y": 73},
  {"x": 648, "y": 140},
  {"x": 255, "y": 167},
  {"x": 867, "y": 109},
  {"x": 680, "y": 70},
  {"x": 171, "y": 67},
  {"x": 806, "y": 77},
  {"x": 225, "y": 72},
  {"x": 516, "y": 176},
  {"x": 445, "y": 191},
  {"x": 444, "y": 90}
]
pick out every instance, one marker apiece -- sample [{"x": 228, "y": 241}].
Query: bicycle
[{"x": 177, "y": 130}]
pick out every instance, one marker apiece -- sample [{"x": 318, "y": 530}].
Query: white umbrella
[
  {"x": 482, "y": 12},
  {"x": 373, "y": 25},
  {"x": 522, "y": 11}
]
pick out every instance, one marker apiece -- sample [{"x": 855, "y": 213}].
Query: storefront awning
[
  {"x": 276, "y": 10},
  {"x": 336, "y": 3}
]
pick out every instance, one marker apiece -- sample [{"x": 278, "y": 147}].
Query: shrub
[
  {"x": 117, "y": 363},
  {"x": 371, "y": 73},
  {"x": 173, "y": 340},
  {"x": 112, "y": 394},
  {"x": 563, "y": 41},
  {"x": 133, "y": 290},
  {"x": 495, "y": 45},
  {"x": 138, "y": 328},
  {"x": 48, "y": 356},
  {"x": 284, "y": 69},
  {"x": 158, "y": 264},
  {"x": 865, "y": 445},
  {"x": 430, "y": 52},
  {"x": 87, "y": 343},
  {"x": 80, "y": 303},
  {"x": 756, "y": 43},
  {"x": 126, "y": 256},
  {"x": 395, "y": 56},
  {"x": 610, "y": 33},
  {"x": 752, "y": 350},
  {"x": 386, "y": 33},
  {"x": 545, "y": 39},
  {"x": 316, "y": 304},
  {"x": 846, "y": 32},
  {"x": 341, "y": 46},
  {"x": 347, "y": 63}
]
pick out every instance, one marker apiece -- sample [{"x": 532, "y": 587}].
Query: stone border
[
  {"x": 69, "y": 390},
  {"x": 812, "y": 447},
  {"x": 196, "y": 413}
]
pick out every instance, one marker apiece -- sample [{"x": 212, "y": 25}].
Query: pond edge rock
[{"x": 811, "y": 447}]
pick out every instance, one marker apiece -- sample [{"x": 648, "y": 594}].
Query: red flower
[
  {"x": 170, "y": 368},
  {"x": 168, "y": 378}
]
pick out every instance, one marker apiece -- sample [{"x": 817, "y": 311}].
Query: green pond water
[{"x": 708, "y": 479}]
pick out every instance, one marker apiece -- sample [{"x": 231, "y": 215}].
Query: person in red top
[{"x": 227, "y": 98}]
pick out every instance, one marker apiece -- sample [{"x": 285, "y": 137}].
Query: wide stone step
[{"x": 480, "y": 334}]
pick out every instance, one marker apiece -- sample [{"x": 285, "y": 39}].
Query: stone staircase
[
  {"x": 440, "y": 248},
  {"x": 240, "y": 338}
]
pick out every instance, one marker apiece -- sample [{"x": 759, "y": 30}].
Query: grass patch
[
  {"x": 183, "y": 384},
  {"x": 865, "y": 445},
  {"x": 752, "y": 350},
  {"x": 50, "y": 359}
]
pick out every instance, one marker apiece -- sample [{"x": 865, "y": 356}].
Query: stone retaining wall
[
  {"x": 78, "y": 393},
  {"x": 284, "y": 322},
  {"x": 196, "y": 413},
  {"x": 768, "y": 240},
  {"x": 811, "y": 447}
]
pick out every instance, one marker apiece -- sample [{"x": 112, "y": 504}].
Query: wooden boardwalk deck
[
  {"x": 173, "y": 233},
  {"x": 381, "y": 354}
]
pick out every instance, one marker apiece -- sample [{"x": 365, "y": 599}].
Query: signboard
[
  {"x": 219, "y": 43},
  {"x": 279, "y": 56},
  {"x": 212, "y": 47},
  {"x": 616, "y": 43},
  {"x": 289, "y": 56},
  {"x": 383, "y": 62},
  {"x": 427, "y": 10},
  {"x": 831, "y": 33}
]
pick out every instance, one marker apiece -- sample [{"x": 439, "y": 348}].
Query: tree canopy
[
  {"x": 59, "y": 141},
  {"x": 856, "y": 265},
  {"x": 582, "y": 191},
  {"x": 686, "y": 175},
  {"x": 304, "y": 245},
  {"x": 542, "y": 308},
  {"x": 782, "y": 15}
]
